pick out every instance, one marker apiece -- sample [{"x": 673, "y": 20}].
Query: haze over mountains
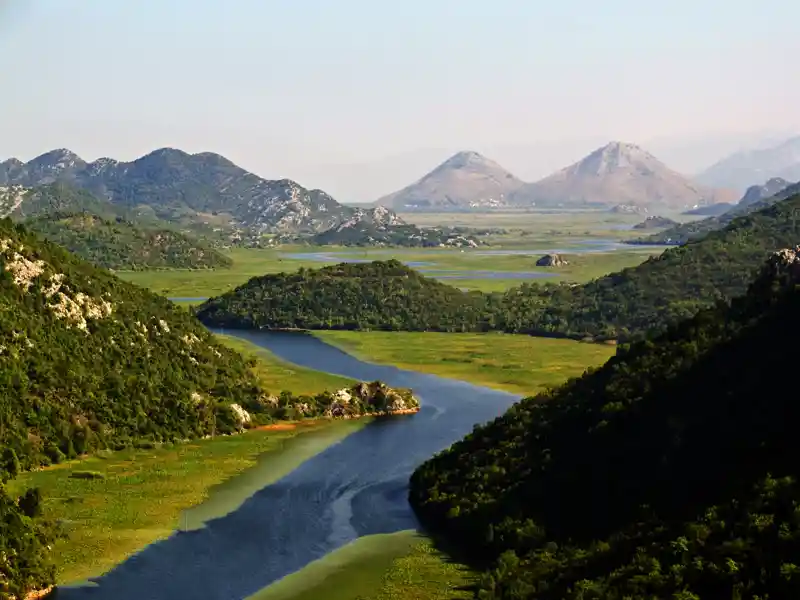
[
  {"x": 746, "y": 168},
  {"x": 617, "y": 173}
]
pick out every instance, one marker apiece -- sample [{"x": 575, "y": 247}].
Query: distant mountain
[
  {"x": 619, "y": 174},
  {"x": 741, "y": 170},
  {"x": 176, "y": 184},
  {"x": 757, "y": 193},
  {"x": 465, "y": 180},
  {"x": 680, "y": 234}
]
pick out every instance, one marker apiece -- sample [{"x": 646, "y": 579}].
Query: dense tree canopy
[
  {"x": 387, "y": 295},
  {"x": 378, "y": 295},
  {"x": 120, "y": 244},
  {"x": 670, "y": 472}
]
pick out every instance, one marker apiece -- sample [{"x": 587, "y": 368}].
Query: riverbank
[
  {"x": 136, "y": 497},
  {"x": 519, "y": 364}
]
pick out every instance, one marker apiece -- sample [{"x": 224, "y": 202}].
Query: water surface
[{"x": 354, "y": 488}]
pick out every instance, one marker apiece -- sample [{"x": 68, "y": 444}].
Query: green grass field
[
  {"x": 276, "y": 375},
  {"x": 397, "y": 566},
  {"x": 516, "y": 363},
  {"x": 142, "y": 494}
]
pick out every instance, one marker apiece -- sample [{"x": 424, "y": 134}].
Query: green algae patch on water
[
  {"x": 225, "y": 497},
  {"x": 143, "y": 494},
  {"x": 396, "y": 566}
]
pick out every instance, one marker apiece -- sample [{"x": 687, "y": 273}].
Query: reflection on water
[{"x": 354, "y": 488}]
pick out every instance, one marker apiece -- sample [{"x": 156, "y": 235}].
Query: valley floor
[{"x": 470, "y": 269}]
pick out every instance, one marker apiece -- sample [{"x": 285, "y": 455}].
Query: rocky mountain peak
[
  {"x": 58, "y": 160},
  {"x": 100, "y": 165},
  {"x": 464, "y": 159},
  {"x": 163, "y": 154},
  {"x": 616, "y": 156}
]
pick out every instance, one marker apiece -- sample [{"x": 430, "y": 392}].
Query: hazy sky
[{"x": 330, "y": 92}]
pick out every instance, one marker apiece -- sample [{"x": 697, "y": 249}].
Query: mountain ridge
[{"x": 173, "y": 182}]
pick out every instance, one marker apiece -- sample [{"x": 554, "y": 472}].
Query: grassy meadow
[{"x": 519, "y": 364}]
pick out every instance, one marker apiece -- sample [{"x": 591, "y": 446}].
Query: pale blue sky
[{"x": 300, "y": 88}]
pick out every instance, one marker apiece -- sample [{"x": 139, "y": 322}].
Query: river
[{"x": 354, "y": 488}]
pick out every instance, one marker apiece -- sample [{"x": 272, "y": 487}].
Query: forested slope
[
  {"x": 120, "y": 244},
  {"x": 670, "y": 472},
  {"x": 663, "y": 289}
]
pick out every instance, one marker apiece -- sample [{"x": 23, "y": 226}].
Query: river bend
[{"x": 354, "y": 488}]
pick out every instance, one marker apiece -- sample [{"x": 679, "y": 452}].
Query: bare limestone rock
[{"x": 551, "y": 260}]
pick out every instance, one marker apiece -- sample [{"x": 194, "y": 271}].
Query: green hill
[
  {"x": 120, "y": 244},
  {"x": 87, "y": 362},
  {"x": 25, "y": 203},
  {"x": 671, "y": 472},
  {"x": 377, "y": 295}
]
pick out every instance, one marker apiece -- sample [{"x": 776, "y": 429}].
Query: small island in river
[{"x": 360, "y": 400}]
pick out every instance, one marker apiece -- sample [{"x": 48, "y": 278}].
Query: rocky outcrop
[
  {"x": 374, "y": 398},
  {"x": 552, "y": 260},
  {"x": 655, "y": 222}
]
